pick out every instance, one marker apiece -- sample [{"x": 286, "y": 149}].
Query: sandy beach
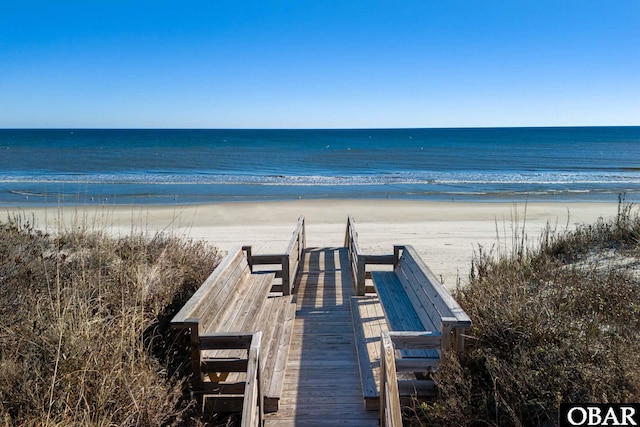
[{"x": 446, "y": 234}]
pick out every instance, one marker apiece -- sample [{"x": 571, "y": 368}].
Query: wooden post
[
  {"x": 302, "y": 244},
  {"x": 346, "y": 234},
  {"x": 446, "y": 335},
  {"x": 396, "y": 255},
  {"x": 286, "y": 275},
  {"x": 247, "y": 250},
  {"x": 383, "y": 382},
  {"x": 458, "y": 335},
  {"x": 362, "y": 265},
  {"x": 194, "y": 341}
]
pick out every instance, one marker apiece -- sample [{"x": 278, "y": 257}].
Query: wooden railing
[
  {"x": 359, "y": 260},
  {"x": 390, "y": 404},
  {"x": 252, "y": 408},
  {"x": 289, "y": 262},
  {"x": 390, "y": 410},
  {"x": 294, "y": 252},
  {"x": 253, "y": 398}
]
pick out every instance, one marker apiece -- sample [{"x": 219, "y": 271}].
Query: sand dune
[{"x": 444, "y": 233}]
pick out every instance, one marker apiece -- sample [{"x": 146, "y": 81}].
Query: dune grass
[
  {"x": 84, "y": 337},
  {"x": 553, "y": 323}
]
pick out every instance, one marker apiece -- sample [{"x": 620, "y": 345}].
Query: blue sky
[{"x": 319, "y": 64}]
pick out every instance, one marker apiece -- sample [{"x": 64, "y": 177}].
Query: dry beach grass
[
  {"x": 552, "y": 324},
  {"x": 84, "y": 336}
]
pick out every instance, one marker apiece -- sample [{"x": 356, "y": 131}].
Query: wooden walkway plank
[
  {"x": 369, "y": 324},
  {"x": 322, "y": 377}
]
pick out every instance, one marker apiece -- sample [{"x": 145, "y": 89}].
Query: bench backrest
[
  {"x": 431, "y": 300},
  {"x": 209, "y": 300}
]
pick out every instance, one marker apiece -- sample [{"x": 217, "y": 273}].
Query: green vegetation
[
  {"x": 558, "y": 323},
  {"x": 84, "y": 336}
]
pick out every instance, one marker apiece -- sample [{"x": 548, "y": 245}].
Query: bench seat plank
[
  {"x": 399, "y": 311},
  {"x": 368, "y": 326},
  {"x": 244, "y": 314},
  {"x": 225, "y": 296},
  {"x": 277, "y": 377},
  {"x": 277, "y": 353}
]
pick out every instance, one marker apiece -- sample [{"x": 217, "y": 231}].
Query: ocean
[{"x": 82, "y": 166}]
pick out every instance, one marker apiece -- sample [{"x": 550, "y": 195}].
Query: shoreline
[{"x": 445, "y": 233}]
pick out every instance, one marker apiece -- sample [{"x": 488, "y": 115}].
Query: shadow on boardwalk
[{"x": 322, "y": 381}]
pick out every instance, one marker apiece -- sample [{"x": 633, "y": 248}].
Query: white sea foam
[{"x": 414, "y": 178}]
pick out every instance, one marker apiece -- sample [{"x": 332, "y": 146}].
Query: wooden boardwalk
[{"x": 322, "y": 380}]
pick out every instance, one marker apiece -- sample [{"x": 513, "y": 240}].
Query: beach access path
[{"x": 322, "y": 381}]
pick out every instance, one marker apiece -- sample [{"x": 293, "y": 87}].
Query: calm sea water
[{"x": 201, "y": 166}]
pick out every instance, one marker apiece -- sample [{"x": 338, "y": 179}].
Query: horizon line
[{"x": 321, "y": 128}]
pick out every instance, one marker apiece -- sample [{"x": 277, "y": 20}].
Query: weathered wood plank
[
  {"x": 321, "y": 385},
  {"x": 453, "y": 318},
  {"x": 199, "y": 300},
  {"x": 399, "y": 311},
  {"x": 416, "y": 305},
  {"x": 266, "y": 259},
  {"x": 390, "y": 410},
  {"x": 268, "y": 358},
  {"x": 416, "y": 387},
  {"x": 428, "y": 313},
  {"x": 415, "y": 340},
  {"x": 243, "y": 315},
  {"x": 415, "y": 284},
  {"x": 439, "y": 291},
  {"x": 211, "y": 316},
  {"x": 235, "y": 299},
  {"x": 277, "y": 377},
  {"x": 417, "y": 364},
  {"x": 377, "y": 327},
  {"x": 245, "y": 302},
  {"x": 379, "y": 259},
  {"x": 397, "y": 306},
  {"x": 252, "y": 410},
  {"x": 233, "y": 340},
  {"x": 367, "y": 380},
  {"x": 224, "y": 365},
  {"x": 351, "y": 399}
]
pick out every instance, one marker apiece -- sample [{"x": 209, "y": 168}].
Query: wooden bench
[
  {"x": 231, "y": 303},
  {"x": 418, "y": 315}
]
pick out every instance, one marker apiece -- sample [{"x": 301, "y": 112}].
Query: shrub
[
  {"x": 550, "y": 325},
  {"x": 84, "y": 336}
]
